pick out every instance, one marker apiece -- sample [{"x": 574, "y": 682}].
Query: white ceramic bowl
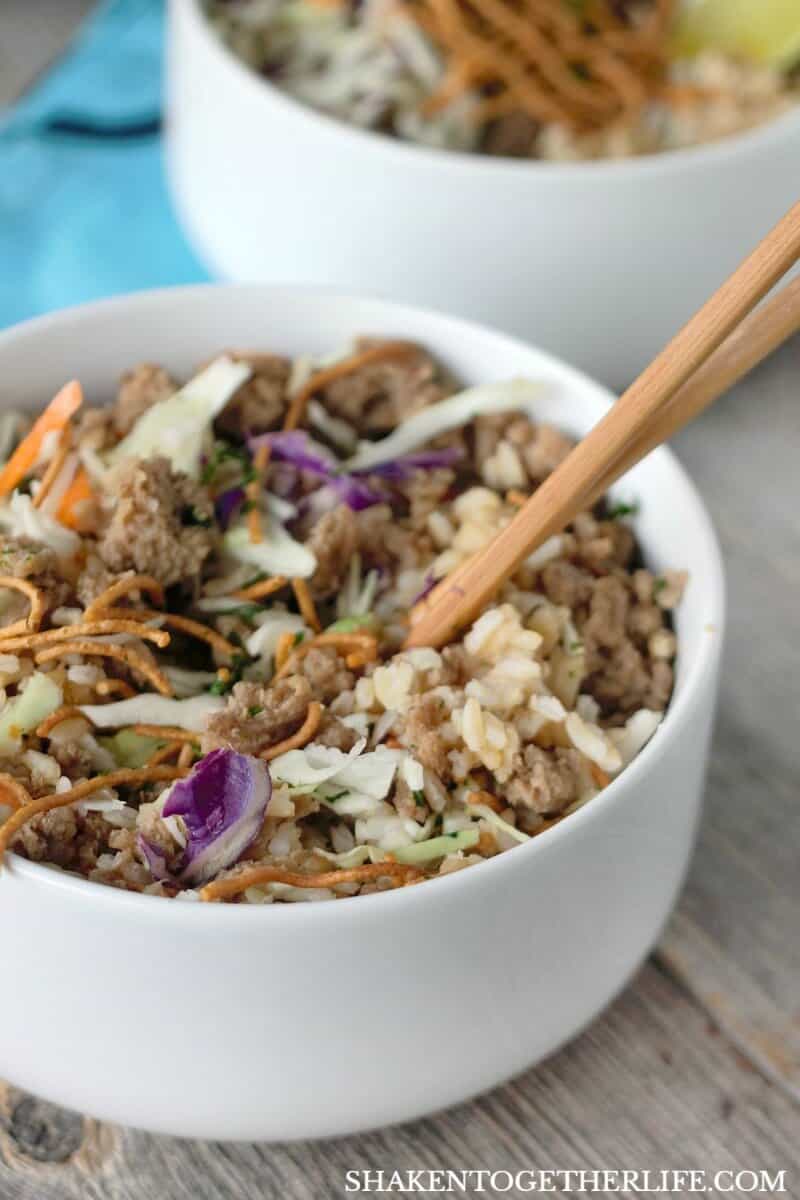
[
  {"x": 600, "y": 263},
  {"x": 315, "y": 1019}
]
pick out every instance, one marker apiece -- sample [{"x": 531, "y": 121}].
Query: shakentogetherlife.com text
[{"x": 567, "y": 1183}]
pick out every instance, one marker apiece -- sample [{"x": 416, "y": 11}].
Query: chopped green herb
[
  {"x": 351, "y": 624},
  {"x": 255, "y": 710},
  {"x": 624, "y": 510},
  {"x": 221, "y": 687},
  {"x": 575, "y": 647},
  {"x": 659, "y": 583},
  {"x": 190, "y": 516},
  {"x": 419, "y": 796},
  {"x": 298, "y": 637},
  {"x": 336, "y": 796}
]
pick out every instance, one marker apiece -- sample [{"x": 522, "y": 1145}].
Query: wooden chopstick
[
  {"x": 760, "y": 333},
  {"x": 611, "y": 444}
]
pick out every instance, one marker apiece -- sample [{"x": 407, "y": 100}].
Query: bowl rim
[
  {"x": 707, "y": 154},
  {"x": 401, "y": 898}
]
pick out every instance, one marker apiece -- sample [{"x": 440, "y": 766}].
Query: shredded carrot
[
  {"x": 67, "y": 712},
  {"x": 132, "y": 658},
  {"x": 283, "y": 649},
  {"x": 186, "y": 755},
  {"x": 304, "y": 734},
  {"x": 223, "y": 674},
  {"x": 111, "y": 687},
  {"x": 234, "y": 885},
  {"x": 305, "y": 603},
  {"x": 165, "y": 732},
  {"x": 31, "y": 623},
  {"x": 184, "y": 624},
  {"x": 487, "y": 799},
  {"x": 78, "y": 494},
  {"x": 68, "y": 633},
  {"x": 54, "y": 467},
  {"x": 125, "y": 777},
  {"x": 356, "y": 661},
  {"x": 54, "y": 418},
  {"x": 253, "y": 493},
  {"x": 516, "y": 498},
  {"x": 383, "y": 352},
  {"x": 362, "y": 643},
  {"x": 122, "y": 587},
  {"x": 598, "y": 775},
  {"x": 12, "y": 792},
  {"x": 258, "y": 591},
  {"x": 164, "y": 753}
]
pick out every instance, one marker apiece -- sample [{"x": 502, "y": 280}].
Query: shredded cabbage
[
  {"x": 356, "y": 774},
  {"x": 20, "y": 519},
  {"x": 130, "y": 749},
  {"x": 188, "y": 714},
  {"x": 264, "y": 640},
  {"x": 41, "y": 697},
  {"x": 511, "y": 396},
  {"x": 177, "y": 427},
  {"x": 438, "y": 847},
  {"x": 489, "y": 815},
  {"x": 277, "y": 554}
]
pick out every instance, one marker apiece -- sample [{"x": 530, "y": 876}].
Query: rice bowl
[{"x": 624, "y": 853}]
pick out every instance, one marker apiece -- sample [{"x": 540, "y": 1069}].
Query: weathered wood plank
[
  {"x": 651, "y": 1085},
  {"x": 735, "y": 943}
]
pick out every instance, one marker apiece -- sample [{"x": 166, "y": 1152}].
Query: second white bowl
[{"x": 598, "y": 262}]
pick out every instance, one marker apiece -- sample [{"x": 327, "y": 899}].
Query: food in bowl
[
  {"x": 554, "y": 80},
  {"x": 206, "y": 591}
]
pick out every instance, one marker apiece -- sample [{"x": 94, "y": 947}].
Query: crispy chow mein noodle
[
  {"x": 13, "y": 793},
  {"x": 306, "y": 604},
  {"x": 224, "y": 889},
  {"x": 183, "y": 624},
  {"x": 125, "y": 654},
  {"x": 184, "y": 711},
  {"x": 383, "y": 352},
  {"x": 297, "y": 740},
  {"x": 262, "y": 589},
  {"x": 98, "y": 628},
  {"x": 122, "y": 588},
  {"x": 33, "y": 620}
]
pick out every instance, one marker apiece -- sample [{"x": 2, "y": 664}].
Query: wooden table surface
[{"x": 697, "y": 1064}]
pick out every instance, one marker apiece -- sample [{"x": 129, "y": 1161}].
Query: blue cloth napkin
[{"x": 84, "y": 210}]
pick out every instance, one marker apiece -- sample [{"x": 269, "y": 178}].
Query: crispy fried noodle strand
[
  {"x": 127, "y": 654},
  {"x": 383, "y": 352},
  {"x": 185, "y": 625},
  {"x": 583, "y": 69},
  {"x": 68, "y": 633},
  {"x": 13, "y": 793},
  {"x": 222, "y": 889},
  {"x": 262, "y": 589},
  {"x": 306, "y": 605},
  {"x": 304, "y": 734},
  {"x": 363, "y": 644},
  {"x": 31, "y": 623},
  {"x": 122, "y": 778},
  {"x": 123, "y": 587}
]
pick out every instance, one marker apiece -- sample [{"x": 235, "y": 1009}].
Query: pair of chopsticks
[{"x": 722, "y": 342}]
